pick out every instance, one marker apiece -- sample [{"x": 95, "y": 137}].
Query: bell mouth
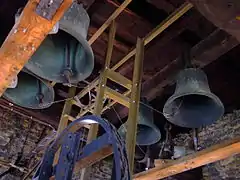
[
  {"x": 147, "y": 135},
  {"x": 26, "y": 93},
  {"x": 193, "y": 110}
]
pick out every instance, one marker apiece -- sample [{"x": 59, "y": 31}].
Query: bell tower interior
[{"x": 120, "y": 89}]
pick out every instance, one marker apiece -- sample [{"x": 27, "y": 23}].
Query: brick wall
[
  {"x": 18, "y": 137},
  {"x": 226, "y": 128}
]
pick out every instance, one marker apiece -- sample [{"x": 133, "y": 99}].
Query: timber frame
[{"x": 31, "y": 29}]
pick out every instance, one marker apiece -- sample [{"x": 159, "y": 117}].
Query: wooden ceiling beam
[
  {"x": 24, "y": 39},
  {"x": 163, "y": 5},
  {"x": 209, "y": 155},
  {"x": 205, "y": 52}
]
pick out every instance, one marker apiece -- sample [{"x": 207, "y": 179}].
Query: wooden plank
[
  {"x": 210, "y": 155},
  {"x": 93, "y": 158},
  {"x": 116, "y": 96},
  {"x": 120, "y": 79},
  {"x": 153, "y": 34},
  {"x": 23, "y": 40},
  {"x": 109, "y": 21},
  {"x": 134, "y": 104}
]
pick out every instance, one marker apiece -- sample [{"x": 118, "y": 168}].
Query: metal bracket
[{"x": 48, "y": 8}]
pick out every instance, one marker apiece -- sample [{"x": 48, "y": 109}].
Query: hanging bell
[
  {"x": 30, "y": 92},
  {"x": 147, "y": 131},
  {"x": 193, "y": 105},
  {"x": 65, "y": 57}
]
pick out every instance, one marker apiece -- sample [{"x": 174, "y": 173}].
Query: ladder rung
[
  {"x": 118, "y": 78},
  {"x": 88, "y": 109},
  {"x": 116, "y": 96}
]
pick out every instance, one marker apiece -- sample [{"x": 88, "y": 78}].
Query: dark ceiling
[{"x": 212, "y": 49}]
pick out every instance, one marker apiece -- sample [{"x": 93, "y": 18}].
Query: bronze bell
[
  {"x": 65, "y": 57},
  {"x": 193, "y": 105},
  {"x": 147, "y": 132},
  {"x": 30, "y": 92}
]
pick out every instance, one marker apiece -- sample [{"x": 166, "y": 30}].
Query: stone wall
[
  {"x": 226, "y": 128},
  {"x": 18, "y": 137},
  {"x": 99, "y": 171}
]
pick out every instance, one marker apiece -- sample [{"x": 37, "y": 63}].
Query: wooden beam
[
  {"x": 64, "y": 119},
  {"x": 153, "y": 34},
  {"x": 210, "y": 155},
  {"x": 205, "y": 52},
  {"x": 92, "y": 134},
  {"x": 120, "y": 79},
  {"x": 103, "y": 82},
  {"x": 163, "y": 5},
  {"x": 118, "y": 97},
  {"x": 158, "y": 30},
  {"x": 23, "y": 40},
  {"x": 134, "y": 104},
  {"x": 109, "y": 21},
  {"x": 93, "y": 158},
  {"x": 66, "y": 110}
]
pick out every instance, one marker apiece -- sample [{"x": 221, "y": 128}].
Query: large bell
[
  {"x": 30, "y": 92},
  {"x": 193, "y": 105},
  {"x": 65, "y": 57},
  {"x": 147, "y": 131}
]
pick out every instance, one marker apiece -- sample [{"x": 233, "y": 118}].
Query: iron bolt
[{"x": 44, "y": 13}]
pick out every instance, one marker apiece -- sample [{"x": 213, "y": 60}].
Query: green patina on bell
[
  {"x": 65, "y": 57},
  {"x": 30, "y": 92},
  {"x": 193, "y": 105},
  {"x": 147, "y": 132}
]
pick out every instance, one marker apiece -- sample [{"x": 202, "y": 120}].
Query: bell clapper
[
  {"x": 67, "y": 72},
  {"x": 40, "y": 95},
  {"x": 167, "y": 147},
  {"x": 195, "y": 139}
]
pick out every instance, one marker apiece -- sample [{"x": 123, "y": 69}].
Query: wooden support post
[
  {"x": 93, "y": 158},
  {"x": 153, "y": 34},
  {"x": 64, "y": 119},
  {"x": 103, "y": 81},
  {"x": 24, "y": 39},
  {"x": 134, "y": 103},
  {"x": 92, "y": 134},
  {"x": 210, "y": 155},
  {"x": 66, "y": 110}
]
